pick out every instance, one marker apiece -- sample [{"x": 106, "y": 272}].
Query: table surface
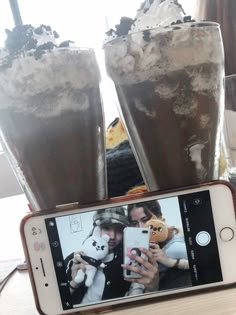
[{"x": 17, "y": 299}]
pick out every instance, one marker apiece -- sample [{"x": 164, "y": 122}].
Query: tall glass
[
  {"x": 52, "y": 126},
  {"x": 170, "y": 85}
]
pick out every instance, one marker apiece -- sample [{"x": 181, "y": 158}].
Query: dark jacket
[{"x": 115, "y": 285}]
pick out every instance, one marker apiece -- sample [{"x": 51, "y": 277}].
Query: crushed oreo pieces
[
  {"x": 123, "y": 28},
  {"x": 66, "y": 43},
  {"x": 176, "y": 22},
  {"x": 111, "y": 32},
  {"x": 21, "y": 41},
  {"x": 186, "y": 19},
  {"x": 146, "y": 35},
  {"x": 19, "y": 38},
  {"x": 41, "y": 50},
  {"x": 56, "y": 35}
]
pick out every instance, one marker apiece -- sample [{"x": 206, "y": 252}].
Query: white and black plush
[{"x": 95, "y": 248}]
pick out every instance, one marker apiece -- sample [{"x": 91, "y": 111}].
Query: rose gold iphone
[{"x": 73, "y": 269}]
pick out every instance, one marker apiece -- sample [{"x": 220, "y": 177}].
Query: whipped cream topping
[
  {"x": 49, "y": 85},
  {"x": 145, "y": 55},
  {"x": 152, "y": 14},
  {"x": 44, "y": 35},
  {"x": 38, "y": 76},
  {"x": 157, "y": 13},
  {"x": 170, "y": 58},
  {"x": 26, "y": 40}
]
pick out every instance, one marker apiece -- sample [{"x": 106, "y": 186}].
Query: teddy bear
[
  {"x": 94, "y": 249},
  {"x": 158, "y": 230}
]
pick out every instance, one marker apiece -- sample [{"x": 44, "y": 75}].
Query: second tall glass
[{"x": 170, "y": 87}]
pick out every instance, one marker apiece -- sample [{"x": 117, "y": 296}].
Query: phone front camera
[
  {"x": 145, "y": 231},
  {"x": 46, "y": 284}
]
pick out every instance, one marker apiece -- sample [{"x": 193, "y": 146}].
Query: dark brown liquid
[
  {"x": 161, "y": 137},
  {"x": 61, "y": 157}
]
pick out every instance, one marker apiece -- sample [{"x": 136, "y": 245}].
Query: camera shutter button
[{"x": 203, "y": 238}]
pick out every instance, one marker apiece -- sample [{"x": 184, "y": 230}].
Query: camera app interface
[{"x": 88, "y": 255}]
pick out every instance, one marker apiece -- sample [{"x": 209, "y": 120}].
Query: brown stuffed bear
[{"x": 158, "y": 230}]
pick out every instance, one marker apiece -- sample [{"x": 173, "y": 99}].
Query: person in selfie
[
  {"x": 109, "y": 281},
  {"x": 170, "y": 255}
]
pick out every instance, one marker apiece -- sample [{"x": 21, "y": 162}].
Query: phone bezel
[{"x": 111, "y": 304}]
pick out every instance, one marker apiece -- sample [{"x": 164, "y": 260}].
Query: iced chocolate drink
[
  {"x": 51, "y": 118},
  {"x": 169, "y": 81}
]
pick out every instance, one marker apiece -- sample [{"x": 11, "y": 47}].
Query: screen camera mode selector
[{"x": 226, "y": 234}]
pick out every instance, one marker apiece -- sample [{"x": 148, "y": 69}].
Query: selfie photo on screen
[
  {"x": 132, "y": 249},
  {"x": 91, "y": 249}
]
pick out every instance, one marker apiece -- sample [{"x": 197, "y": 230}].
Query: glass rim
[{"x": 202, "y": 24}]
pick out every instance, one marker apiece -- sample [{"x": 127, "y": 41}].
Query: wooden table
[{"x": 17, "y": 299}]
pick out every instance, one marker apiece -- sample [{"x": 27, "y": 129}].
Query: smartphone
[
  {"x": 134, "y": 239},
  {"x": 204, "y": 218}
]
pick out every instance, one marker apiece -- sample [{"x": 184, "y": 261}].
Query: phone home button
[{"x": 226, "y": 234}]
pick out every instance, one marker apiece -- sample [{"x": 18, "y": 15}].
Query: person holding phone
[
  {"x": 109, "y": 282},
  {"x": 170, "y": 255}
]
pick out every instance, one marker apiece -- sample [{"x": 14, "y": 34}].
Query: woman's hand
[
  {"x": 147, "y": 268},
  {"x": 78, "y": 264},
  {"x": 161, "y": 257}
]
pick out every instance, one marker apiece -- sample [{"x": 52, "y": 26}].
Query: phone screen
[{"x": 188, "y": 216}]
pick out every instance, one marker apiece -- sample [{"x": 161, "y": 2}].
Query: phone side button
[{"x": 226, "y": 234}]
